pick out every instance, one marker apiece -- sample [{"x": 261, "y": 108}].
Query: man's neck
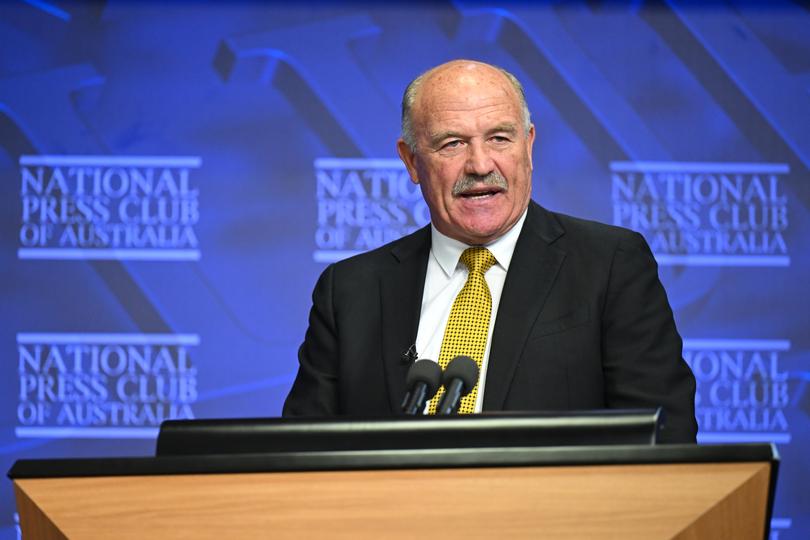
[{"x": 447, "y": 250}]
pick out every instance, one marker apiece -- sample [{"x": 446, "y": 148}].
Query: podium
[{"x": 614, "y": 491}]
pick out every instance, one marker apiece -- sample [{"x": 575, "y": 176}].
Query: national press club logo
[
  {"x": 717, "y": 214},
  {"x": 103, "y": 385},
  {"x": 742, "y": 389},
  {"x": 363, "y": 204},
  {"x": 108, "y": 207}
]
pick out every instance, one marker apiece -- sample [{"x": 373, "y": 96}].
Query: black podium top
[
  {"x": 495, "y": 440},
  {"x": 394, "y": 459}
]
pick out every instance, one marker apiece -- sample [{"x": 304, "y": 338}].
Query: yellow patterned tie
[{"x": 468, "y": 325}]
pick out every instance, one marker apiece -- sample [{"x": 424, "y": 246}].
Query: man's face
[{"x": 473, "y": 156}]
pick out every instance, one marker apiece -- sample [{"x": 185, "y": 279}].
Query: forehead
[{"x": 466, "y": 92}]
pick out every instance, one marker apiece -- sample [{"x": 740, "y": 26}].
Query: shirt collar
[{"x": 447, "y": 250}]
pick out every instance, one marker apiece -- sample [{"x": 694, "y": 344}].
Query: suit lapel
[
  {"x": 531, "y": 275},
  {"x": 401, "y": 288}
]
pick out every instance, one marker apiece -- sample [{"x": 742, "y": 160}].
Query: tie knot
[{"x": 478, "y": 259}]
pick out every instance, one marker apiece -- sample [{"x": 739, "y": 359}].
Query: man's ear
[
  {"x": 530, "y": 144},
  {"x": 408, "y": 158}
]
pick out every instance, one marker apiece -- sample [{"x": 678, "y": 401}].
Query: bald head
[{"x": 456, "y": 72}]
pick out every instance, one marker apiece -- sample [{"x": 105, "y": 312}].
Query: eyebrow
[
  {"x": 439, "y": 137},
  {"x": 507, "y": 127}
]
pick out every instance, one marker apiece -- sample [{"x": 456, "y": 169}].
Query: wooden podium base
[{"x": 685, "y": 501}]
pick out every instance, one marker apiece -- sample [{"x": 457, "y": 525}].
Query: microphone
[
  {"x": 459, "y": 380},
  {"x": 422, "y": 382}
]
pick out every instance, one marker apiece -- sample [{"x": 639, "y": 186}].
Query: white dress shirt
[{"x": 445, "y": 277}]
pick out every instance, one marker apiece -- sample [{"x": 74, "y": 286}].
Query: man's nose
[{"x": 479, "y": 162}]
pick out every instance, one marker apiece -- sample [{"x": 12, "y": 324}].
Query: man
[{"x": 578, "y": 317}]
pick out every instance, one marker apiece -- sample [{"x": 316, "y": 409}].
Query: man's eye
[
  {"x": 499, "y": 139},
  {"x": 452, "y": 144}
]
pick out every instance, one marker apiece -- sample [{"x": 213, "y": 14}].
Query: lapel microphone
[{"x": 409, "y": 355}]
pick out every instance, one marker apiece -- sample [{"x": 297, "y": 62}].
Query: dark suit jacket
[{"x": 583, "y": 323}]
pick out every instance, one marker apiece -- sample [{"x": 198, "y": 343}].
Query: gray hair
[{"x": 409, "y": 97}]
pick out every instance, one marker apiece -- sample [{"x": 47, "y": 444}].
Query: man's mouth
[
  {"x": 475, "y": 194},
  {"x": 476, "y": 187}
]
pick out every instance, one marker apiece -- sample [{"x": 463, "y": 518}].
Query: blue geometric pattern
[{"x": 293, "y": 112}]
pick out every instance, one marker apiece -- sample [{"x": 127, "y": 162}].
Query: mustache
[{"x": 469, "y": 181}]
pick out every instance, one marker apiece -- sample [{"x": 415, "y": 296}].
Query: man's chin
[
  {"x": 476, "y": 228},
  {"x": 480, "y": 235}
]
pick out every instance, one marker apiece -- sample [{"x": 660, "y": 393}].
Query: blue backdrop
[{"x": 176, "y": 176}]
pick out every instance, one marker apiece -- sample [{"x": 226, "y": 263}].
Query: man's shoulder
[{"x": 586, "y": 241}]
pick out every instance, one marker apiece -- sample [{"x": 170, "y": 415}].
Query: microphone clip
[{"x": 409, "y": 355}]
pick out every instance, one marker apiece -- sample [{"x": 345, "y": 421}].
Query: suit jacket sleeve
[
  {"x": 315, "y": 390},
  {"x": 642, "y": 351}
]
